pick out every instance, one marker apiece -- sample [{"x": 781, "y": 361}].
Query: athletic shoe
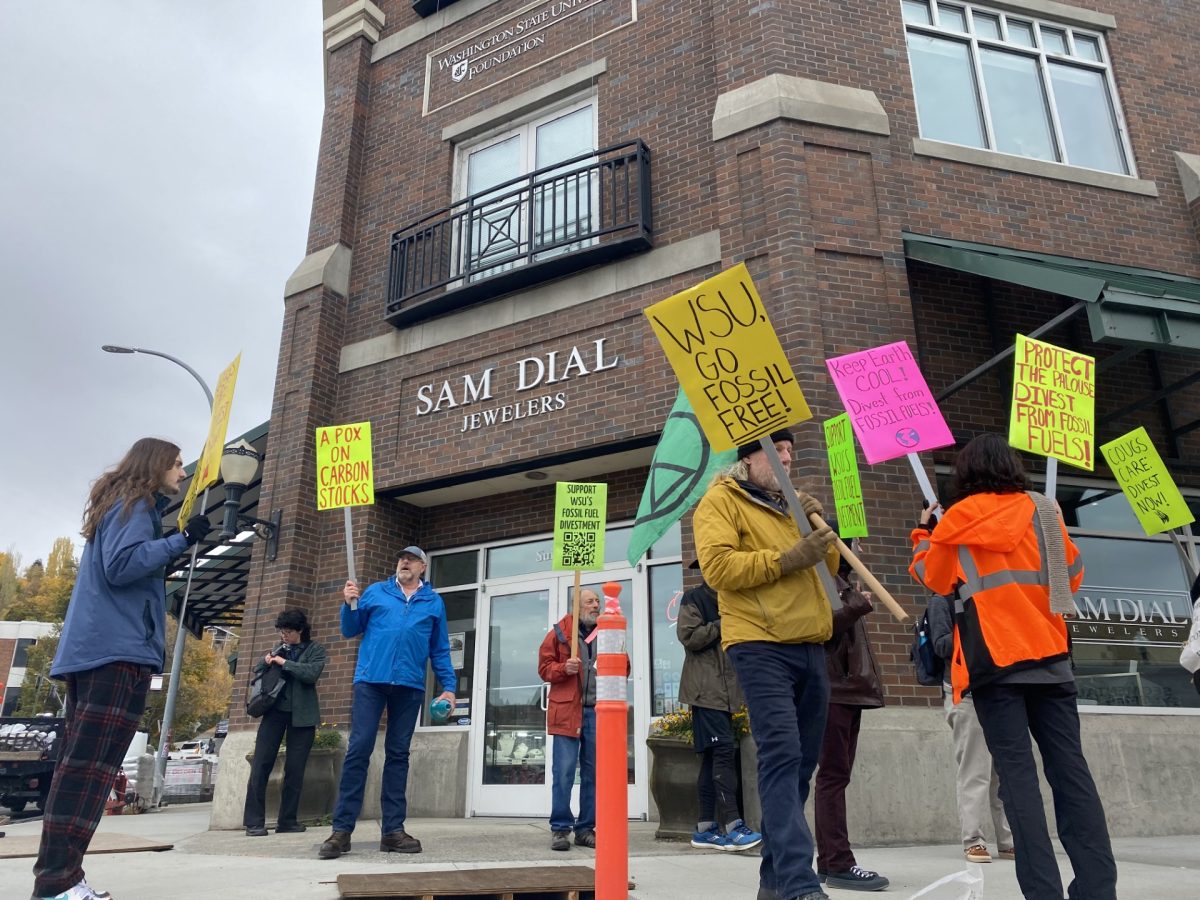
[
  {"x": 814, "y": 895},
  {"x": 79, "y": 891},
  {"x": 297, "y": 828},
  {"x": 977, "y": 853},
  {"x": 856, "y": 878},
  {"x": 709, "y": 840},
  {"x": 256, "y": 831},
  {"x": 560, "y": 840},
  {"x": 586, "y": 838},
  {"x": 1009, "y": 854},
  {"x": 740, "y": 838}
]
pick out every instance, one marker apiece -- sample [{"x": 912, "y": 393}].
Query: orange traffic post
[{"x": 612, "y": 792}]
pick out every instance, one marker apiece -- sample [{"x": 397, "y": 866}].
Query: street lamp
[
  {"x": 239, "y": 465},
  {"x": 177, "y": 659}
]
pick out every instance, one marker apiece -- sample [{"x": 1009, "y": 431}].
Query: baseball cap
[
  {"x": 416, "y": 551},
  {"x": 781, "y": 435}
]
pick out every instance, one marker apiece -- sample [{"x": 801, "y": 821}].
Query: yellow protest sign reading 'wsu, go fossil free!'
[{"x": 728, "y": 359}]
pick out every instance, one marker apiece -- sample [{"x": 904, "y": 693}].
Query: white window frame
[
  {"x": 526, "y": 129},
  {"x": 1043, "y": 58}
]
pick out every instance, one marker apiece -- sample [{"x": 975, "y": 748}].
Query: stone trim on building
[
  {"x": 361, "y": 19},
  {"x": 801, "y": 100},
  {"x": 1189, "y": 173},
  {"x": 1058, "y": 171},
  {"x": 329, "y": 267}
]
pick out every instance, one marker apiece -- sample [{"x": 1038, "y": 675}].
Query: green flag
[{"x": 682, "y": 467}]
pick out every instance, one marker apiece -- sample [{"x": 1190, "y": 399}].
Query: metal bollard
[{"x": 612, "y": 791}]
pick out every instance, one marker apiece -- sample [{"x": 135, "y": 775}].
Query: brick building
[{"x": 503, "y": 186}]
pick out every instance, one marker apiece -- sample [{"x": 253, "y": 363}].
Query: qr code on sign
[{"x": 578, "y": 549}]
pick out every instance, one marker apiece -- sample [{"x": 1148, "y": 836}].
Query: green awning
[{"x": 1125, "y": 305}]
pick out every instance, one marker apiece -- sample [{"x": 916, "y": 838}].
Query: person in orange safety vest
[{"x": 1012, "y": 653}]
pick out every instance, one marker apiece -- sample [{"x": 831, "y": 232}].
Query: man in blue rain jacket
[{"x": 403, "y": 624}]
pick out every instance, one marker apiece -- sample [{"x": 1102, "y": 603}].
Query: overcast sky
[{"x": 156, "y": 175}]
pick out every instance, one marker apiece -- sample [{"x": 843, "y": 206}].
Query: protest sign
[
  {"x": 728, "y": 359},
  {"x": 345, "y": 474},
  {"x": 891, "y": 408},
  {"x": 682, "y": 467},
  {"x": 208, "y": 467},
  {"x": 1147, "y": 484},
  {"x": 843, "y": 470},
  {"x": 1053, "y": 405},
  {"x": 580, "y": 510}
]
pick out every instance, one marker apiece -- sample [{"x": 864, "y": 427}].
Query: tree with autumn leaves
[{"x": 42, "y": 592}]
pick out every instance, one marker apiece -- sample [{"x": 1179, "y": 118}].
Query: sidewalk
[{"x": 227, "y": 865}]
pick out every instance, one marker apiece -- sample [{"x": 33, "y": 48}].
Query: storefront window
[
  {"x": 460, "y": 619},
  {"x": 666, "y": 653},
  {"x": 449, "y": 569},
  {"x": 669, "y": 545}
]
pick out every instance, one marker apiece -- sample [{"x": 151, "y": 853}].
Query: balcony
[{"x": 551, "y": 222}]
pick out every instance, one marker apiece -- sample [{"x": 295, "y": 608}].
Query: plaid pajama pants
[{"x": 104, "y": 706}]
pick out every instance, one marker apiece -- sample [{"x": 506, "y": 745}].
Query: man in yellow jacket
[{"x": 774, "y": 620}]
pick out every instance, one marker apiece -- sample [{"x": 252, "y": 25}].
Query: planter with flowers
[{"x": 675, "y": 769}]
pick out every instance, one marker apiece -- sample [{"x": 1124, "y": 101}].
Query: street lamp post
[{"x": 177, "y": 659}]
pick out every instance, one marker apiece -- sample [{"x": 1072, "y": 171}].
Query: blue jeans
[
  {"x": 402, "y": 704},
  {"x": 1008, "y": 715},
  {"x": 787, "y": 694},
  {"x": 567, "y": 753}
]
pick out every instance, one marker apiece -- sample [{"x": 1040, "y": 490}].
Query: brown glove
[
  {"x": 810, "y": 504},
  {"x": 808, "y": 551}
]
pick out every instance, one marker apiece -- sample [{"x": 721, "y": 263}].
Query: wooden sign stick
[
  {"x": 575, "y": 618},
  {"x": 871, "y": 583}
]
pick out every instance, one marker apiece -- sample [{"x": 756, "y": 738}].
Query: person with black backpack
[{"x": 977, "y": 786}]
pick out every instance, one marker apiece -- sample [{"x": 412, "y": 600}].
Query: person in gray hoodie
[{"x": 113, "y": 640}]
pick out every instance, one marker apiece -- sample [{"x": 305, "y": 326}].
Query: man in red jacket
[{"x": 571, "y": 719}]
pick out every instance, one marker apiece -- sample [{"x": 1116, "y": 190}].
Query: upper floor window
[
  {"x": 1014, "y": 84},
  {"x": 515, "y": 218}
]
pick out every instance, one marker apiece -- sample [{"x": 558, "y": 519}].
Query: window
[
  {"x": 983, "y": 78},
  {"x": 21, "y": 654},
  {"x": 509, "y": 219}
]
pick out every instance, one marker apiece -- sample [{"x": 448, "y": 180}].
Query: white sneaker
[{"x": 81, "y": 891}]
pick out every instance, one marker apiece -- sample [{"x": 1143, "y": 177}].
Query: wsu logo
[{"x": 459, "y": 72}]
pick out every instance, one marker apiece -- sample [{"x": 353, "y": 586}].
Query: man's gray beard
[{"x": 586, "y": 619}]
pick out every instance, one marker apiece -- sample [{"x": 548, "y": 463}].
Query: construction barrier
[{"x": 612, "y": 791}]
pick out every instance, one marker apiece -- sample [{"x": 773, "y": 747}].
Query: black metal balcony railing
[{"x": 577, "y": 213}]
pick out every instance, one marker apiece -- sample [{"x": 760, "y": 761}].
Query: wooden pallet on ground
[{"x": 529, "y": 883}]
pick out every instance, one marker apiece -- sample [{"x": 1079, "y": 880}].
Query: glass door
[
  {"x": 638, "y": 721},
  {"x": 511, "y": 752},
  {"x": 510, "y": 765}
]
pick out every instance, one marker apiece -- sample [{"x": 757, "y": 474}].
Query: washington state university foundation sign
[{"x": 507, "y": 47}]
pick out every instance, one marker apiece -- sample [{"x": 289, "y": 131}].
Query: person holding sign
[
  {"x": 774, "y": 620},
  {"x": 1012, "y": 577},
  {"x": 403, "y": 626},
  {"x": 113, "y": 639}
]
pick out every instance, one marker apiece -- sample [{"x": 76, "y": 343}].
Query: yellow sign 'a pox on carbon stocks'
[
  {"x": 580, "y": 511},
  {"x": 1147, "y": 484},
  {"x": 345, "y": 474},
  {"x": 208, "y": 467},
  {"x": 728, "y": 359},
  {"x": 1054, "y": 403},
  {"x": 843, "y": 469}
]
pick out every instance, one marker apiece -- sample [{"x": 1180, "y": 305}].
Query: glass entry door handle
[{"x": 545, "y": 702}]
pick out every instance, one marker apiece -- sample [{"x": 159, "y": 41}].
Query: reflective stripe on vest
[{"x": 973, "y": 582}]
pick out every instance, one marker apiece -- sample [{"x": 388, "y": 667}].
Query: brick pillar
[{"x": 306, "y": 380}]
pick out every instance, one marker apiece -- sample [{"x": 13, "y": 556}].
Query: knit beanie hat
[{"x": 781, "y": 435}]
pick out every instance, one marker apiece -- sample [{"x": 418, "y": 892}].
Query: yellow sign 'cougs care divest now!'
[{"x": 728, "y": 359}]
